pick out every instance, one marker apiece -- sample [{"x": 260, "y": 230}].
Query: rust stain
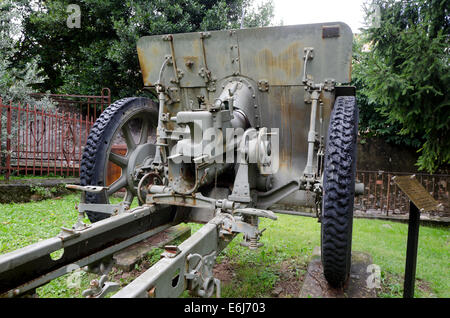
[
  {"x": 327, "y": 101},
  {"x": 145, "y": 65},
  {"x": 290, "y": 125},
  {"x": 196, "y": 45},
  {"x": 191, "y": 59},
  {"x": 286, "y": 127},
  {"x": 170, "y": 125},
  {"x": 155, "y": 51},
  {"x": 288, "y": 60},
  {"x": 151, "y": 292},
  {"x": 283, "y": 159}
]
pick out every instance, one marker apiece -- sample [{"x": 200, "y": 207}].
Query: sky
[{"x": 317, "y": 11}]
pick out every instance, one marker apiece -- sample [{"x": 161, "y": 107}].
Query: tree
[
  {"x": 15, "y": 83},
  {"x": 102, "y": 52},
  {"x": 373, "y": 123},
  {"x": 405, "y": 74}
]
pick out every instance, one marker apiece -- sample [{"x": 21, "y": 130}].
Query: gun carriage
[{"x": 240, "y": 122}]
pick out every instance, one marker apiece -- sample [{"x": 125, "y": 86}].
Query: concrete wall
[{"x": 375, "y": 154}]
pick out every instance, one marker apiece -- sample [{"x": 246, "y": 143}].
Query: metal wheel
[{"x": 131, "y": 123}]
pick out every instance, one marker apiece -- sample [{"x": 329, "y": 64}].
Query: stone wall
[
  {"x": 34, "y": 189},
  {"x": 375, "y": 154}
]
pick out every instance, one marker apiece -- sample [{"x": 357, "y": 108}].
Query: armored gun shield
[{"x": 271, "y": 62}]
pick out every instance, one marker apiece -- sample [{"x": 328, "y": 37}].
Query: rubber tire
[
  {"x": 98, "y": 145},
  {"x": 339, "y": 191}
]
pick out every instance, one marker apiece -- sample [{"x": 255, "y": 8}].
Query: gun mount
[{"x": 241, "y": 120}]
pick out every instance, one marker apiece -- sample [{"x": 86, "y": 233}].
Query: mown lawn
[{"x": 289, "y": 243}]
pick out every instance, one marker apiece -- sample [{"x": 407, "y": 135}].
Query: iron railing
[
  {"x": 382, "y": 194},
  {"x": 42, "y": 142},
  {"x": 88, "y": 105}
]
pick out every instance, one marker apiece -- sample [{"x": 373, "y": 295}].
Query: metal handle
[{"x": 257, "y": 212}]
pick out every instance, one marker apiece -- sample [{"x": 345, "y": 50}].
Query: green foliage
[
  {"x": 102, "y": 52},
  {"x": 373, "y": 123},
  {"x": 47, "y": 192},
  {"x": 15, "y": 83},
  {"x": 404, "y": 76},
  {"x": 40, "y": 191}
]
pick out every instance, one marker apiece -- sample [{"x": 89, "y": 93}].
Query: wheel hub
[{"x": 135, "y": 161}]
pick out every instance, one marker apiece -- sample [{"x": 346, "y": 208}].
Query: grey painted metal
[
  {"x": 268, "y": 64},
  {"x": 19, "y": 290},
  {"x": 167, "y": 277},
  {"x": 272, "y": 53},
  {"x": 65, "y": 239},
  {"x": 80, "y": 244},
  {"x": 100, "y": 288},
  {"x": 309, "y": 169},
  {"x": 180, "y": 268},
  {"x": 102, "y": 208},
  {"x": 299, "y": 213}
]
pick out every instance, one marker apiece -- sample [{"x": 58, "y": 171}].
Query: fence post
[
  {"x": 108, "y": 96},
  {"x": 18, "y": 138},
  {"x": 79, "y": 143},
  {"x": 388, "y": 194},
  {"x": 8, "y": 141}
]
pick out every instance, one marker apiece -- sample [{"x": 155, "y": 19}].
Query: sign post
[{"x": 420, "y": 201}]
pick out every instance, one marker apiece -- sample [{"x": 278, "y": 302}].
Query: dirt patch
[
  {"x": 291, "y": 276},
  {"x": 392, "y": 286},
  {"x": 125, "y": 277},
  {"x": 224, "y": 271},
  {"x": 424, "y": 286},
  {"x": 288, "y": 285}
]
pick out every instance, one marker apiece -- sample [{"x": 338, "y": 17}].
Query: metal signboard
[{"x": 416, "y": 193}]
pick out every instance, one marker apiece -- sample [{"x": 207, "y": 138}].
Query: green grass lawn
[
  {"x": 28, "y": 177},
  {"x": 289, "y": 243}
]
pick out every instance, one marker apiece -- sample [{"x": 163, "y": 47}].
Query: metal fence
[
  {"x": 88, "y": 105},
  {"x": 42, "y": 142},
  {"x": 382, "y": 194}
]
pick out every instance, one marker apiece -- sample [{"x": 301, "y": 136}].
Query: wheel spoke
[
  {"x": 119, "y": 160},
  {"x": 144, "y": 132},
  {"x": 117, "y": 185},
  {"x": 126, "y": 131}
]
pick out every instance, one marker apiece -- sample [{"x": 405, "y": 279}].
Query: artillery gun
[{"x": 241, "y": 121}]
